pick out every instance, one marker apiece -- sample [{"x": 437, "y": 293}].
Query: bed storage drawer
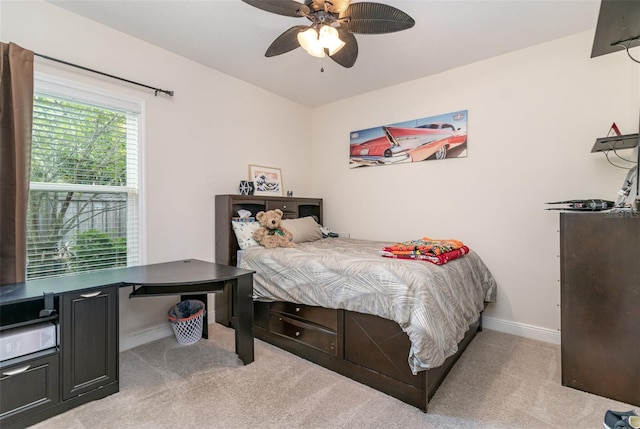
[
  {"x": 309, "y": 334},
  {"x": 378, "y": 344},
  {"x": 326, "y": 317}
]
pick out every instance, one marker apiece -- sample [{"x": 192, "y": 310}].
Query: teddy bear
[{"x": 271, "y": 233}]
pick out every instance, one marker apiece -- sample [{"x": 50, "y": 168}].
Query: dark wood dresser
[{"x": 600, "y": 303}]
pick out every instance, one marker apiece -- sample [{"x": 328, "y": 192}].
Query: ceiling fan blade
[
  {"x": 334, "y": 6},
  {"x": 346, "y": 56},
  {"x": 285, "y": 42},
  {"x": 376, "y": 18},
  {"x": 281, "y": 7}
]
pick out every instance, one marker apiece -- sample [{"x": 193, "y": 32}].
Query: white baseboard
[
  {"x": 153, "y": 333},
  {"x": 144, "y": 336},
  {"x": 528, "y": 331},
  {"x": 522, "y": 330}
]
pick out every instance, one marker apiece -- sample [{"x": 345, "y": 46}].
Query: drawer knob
[
  {"x": 17, "y": 371},
  {"x": 297, "y": 333},
  {"x": 284, "y": 206},
  {"x": 297, "y": 309}
]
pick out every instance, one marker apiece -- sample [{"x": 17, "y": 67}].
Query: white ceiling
[{"x": 231, "y": 37}]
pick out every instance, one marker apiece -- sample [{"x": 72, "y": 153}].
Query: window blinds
[{"x": 84, "y": 196}]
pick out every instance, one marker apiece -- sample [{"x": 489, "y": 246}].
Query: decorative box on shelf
[
  {"x": 246, "y": 187},
  {"x": 244, "y": 219}
]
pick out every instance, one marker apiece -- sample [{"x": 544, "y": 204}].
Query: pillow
[
  {"x": 244, "y": 233},
  {"x": 304, "y": 229}
]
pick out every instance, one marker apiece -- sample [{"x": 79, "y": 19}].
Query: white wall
[
  {"x": 198, "y": 143},
  {"x": 533, "y": 116}
]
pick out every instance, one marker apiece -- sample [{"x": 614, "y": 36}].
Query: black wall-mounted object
[
  {"x": 618, "y": 21},
  {"x": 627, "y": 141}
]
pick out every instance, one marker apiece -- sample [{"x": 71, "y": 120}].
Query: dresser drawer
[
  {"x": 325, "y": 317},
  {"x": 311, "y": 335},
  {"x": 28, "y": 386},
  {"x": 289, "y": 208}
]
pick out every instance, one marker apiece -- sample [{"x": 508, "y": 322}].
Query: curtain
[{"x": 16, "y": 116}]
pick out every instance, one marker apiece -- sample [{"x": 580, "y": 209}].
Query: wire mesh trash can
[{"x": 186, "y": 319}]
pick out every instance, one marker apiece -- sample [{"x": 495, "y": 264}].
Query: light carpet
[{"x": 501, "y": 381}]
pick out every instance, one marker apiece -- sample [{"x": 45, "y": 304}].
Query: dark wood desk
[
  {"x": 83, "y": 365},
  {"x": 193, "y": 278},
  {"x": 189, "y": 277}
]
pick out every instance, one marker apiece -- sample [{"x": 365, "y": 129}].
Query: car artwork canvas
[{"x": 431, "y": 138}]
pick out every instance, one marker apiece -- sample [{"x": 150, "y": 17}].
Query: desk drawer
[
  {"x": 311, "y": 335},
  {"x": 325, "y": 317},
  {"x": 28, "y": 386}
]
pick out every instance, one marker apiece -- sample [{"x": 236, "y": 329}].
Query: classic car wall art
[{"x": 435, "y": 137}]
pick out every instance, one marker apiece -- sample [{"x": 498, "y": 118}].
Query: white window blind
[{"x": 84, "y": 194}]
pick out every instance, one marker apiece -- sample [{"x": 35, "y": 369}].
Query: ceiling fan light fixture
[
  {"x": 309, "y": 40},
  {"x": 330, "y": 39},
  {"x": 316, "y": 51},
  {"x": 333, "y": 25}
]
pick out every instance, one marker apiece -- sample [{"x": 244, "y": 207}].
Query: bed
[{"x": 395, "y": 325}]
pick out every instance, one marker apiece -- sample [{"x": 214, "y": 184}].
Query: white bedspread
[{"x": 433, "y": 304}]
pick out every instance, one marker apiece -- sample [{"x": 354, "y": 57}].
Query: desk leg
[{"x": 243, "y": 295}]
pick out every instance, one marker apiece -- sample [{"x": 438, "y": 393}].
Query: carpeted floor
[{"x": 501, "y": 381}]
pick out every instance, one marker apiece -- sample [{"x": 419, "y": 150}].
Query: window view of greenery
[{"x": 78, "y": 203}]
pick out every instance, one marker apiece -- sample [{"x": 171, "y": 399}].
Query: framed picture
[{"x": 266, "y": 180}]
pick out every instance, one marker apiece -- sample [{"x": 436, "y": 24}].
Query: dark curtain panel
[{"x": 16, "y": 117}]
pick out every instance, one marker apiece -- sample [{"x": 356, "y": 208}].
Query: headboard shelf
[{"x": 226, "y": 247}]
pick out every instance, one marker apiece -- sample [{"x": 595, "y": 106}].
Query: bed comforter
[{"x": 433, "y": 304}]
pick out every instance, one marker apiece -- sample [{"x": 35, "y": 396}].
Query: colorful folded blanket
[{"x": 427, "y": 249}]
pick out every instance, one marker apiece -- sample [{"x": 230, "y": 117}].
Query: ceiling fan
[{"x": 333, "y": 24}]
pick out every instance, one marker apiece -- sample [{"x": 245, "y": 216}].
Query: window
[{"x": 84, "y": 194}]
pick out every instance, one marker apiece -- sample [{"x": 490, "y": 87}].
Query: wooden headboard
[{"x": 226, "y": 247}]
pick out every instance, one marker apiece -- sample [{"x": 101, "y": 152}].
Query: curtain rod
[{"x": 157, "y": 90}]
